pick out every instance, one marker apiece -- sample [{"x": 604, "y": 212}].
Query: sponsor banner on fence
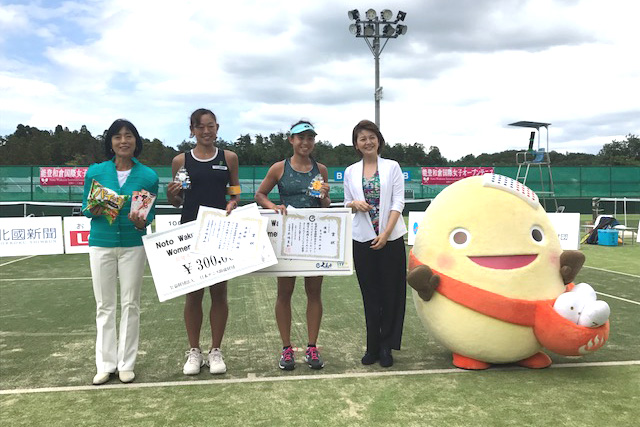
[
  {"x": 31, "y": 236},
  {"x": 446, "y": 176},
  {"x": 51, "y": 175},
  {"x": 76, "y": 234}
]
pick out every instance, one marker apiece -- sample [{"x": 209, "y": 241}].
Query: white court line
[
  {"x": 611, "y": 271},
  {"x": 615, "y": 272},
  {"x": 35, "y": 279},
  {"x": 16, "y": 260},
  {"x": 620, "y": 298},
  {"x": 45, "y": 334},
  {"x": 251, "y": 378}
]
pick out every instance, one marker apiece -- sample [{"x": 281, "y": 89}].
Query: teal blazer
[{"x": 122, "y": 233}]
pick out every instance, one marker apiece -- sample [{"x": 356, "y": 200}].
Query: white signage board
[
  {"x": 166, "y": 222},
  {"x": 415, "y": 217},
  {"x": 31, "y": 236},
  {"x": 567, "y": 226},
  {"x": 177, "y": 269},
  {"x": 316, "y": 266},
  {"x": 76, "y": 234}
]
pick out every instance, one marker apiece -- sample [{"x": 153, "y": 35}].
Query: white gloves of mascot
[{"x": 581, "y": 306}]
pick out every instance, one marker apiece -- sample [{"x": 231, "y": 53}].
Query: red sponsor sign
[
  {"x": 446, "y": 176},
  {"x": 79, "y": 238},
  {"x": 51, "y": 175}
]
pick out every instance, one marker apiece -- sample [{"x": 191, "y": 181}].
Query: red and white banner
[
  {"x": 51, "y": 175},
  {"x": 76, "y": 234},
  {"x": 446, "y": 176}
]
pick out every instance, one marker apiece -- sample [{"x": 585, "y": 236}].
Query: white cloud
[
  {"x": 11, "y": 19},
  {"x": 464, "y": 70}
]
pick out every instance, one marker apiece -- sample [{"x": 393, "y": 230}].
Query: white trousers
[{"x": 106, "y": 265}]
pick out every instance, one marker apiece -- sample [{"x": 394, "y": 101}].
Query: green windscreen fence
[{"x": 22, "y": 183}]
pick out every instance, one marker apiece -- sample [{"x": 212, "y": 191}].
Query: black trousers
[{"x": 382, "y": 275}]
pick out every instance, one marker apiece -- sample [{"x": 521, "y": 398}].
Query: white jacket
[{"x": 391, "y": 199}]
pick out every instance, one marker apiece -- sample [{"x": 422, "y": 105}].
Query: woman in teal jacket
[{"x": 116, "y": 250}]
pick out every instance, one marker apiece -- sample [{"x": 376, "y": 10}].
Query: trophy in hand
[
  {"x": 315, "y": 186},
  {"x": 183, "y": 178}
]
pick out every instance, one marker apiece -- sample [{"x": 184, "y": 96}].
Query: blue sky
[{"x": 462, "y": 73}]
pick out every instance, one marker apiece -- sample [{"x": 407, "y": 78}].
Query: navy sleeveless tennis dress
[{"x": 209, "y": 180}]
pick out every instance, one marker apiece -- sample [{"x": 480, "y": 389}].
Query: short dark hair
[
  {"x": 114, "y": 129},
  {"x": 370, "y": 126},
  {"x": 196, "y": 116}
]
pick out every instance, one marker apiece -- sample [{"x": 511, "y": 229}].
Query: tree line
[{"x": 32, "y": 146}]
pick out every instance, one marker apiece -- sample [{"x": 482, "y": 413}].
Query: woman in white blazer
[{"x": 374, "y": 190}]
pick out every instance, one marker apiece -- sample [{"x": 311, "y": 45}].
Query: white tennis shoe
[
  {"x": 194, "y": 362},
  {"x": 216, "y": 362}
]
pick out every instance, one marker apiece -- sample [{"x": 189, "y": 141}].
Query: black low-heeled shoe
[
  {"x": 386, "y": 359},
  {"x": 369, "y": 358}
]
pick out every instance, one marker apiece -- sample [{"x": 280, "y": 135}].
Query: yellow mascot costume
[{"x": 486, "y": 270}]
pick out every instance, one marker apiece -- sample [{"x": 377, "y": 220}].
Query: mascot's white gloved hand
[
  {"x": 581, "y": 306},
  {"x": 594, "y": 314},
  {"x": 586, "y": 291},
  {"x": 569, "y": 305}
]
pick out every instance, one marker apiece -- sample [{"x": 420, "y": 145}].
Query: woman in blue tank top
[{"x": 293, "y": 176}]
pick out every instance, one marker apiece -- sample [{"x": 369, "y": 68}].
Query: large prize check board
[{"x": 317, "y": 241}]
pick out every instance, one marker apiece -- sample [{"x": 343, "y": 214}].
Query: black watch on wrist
[{"x": 139, "y": 229}]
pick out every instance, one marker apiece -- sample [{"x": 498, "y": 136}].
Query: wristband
[
  {"x": 139, "y": 229},
  {"x": 234, "y": 190}
]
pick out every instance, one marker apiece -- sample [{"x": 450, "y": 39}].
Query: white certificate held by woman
[{"x": 317, "y": 234}]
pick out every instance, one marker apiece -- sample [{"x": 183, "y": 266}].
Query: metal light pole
[{"x": 370, "y": 30}]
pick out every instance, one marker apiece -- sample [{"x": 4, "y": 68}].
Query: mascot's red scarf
[{"x": 510, "y": 310}]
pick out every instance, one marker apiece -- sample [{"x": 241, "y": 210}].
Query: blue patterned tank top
[
  {"x": 293, "y": 185},
  {"x": 371, "y": 189}
]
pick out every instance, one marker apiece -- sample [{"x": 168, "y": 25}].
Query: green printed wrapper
[{"x": 107, "y": 199}]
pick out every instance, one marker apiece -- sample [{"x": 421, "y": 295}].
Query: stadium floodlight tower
[{"x": 373, "y": 28}]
